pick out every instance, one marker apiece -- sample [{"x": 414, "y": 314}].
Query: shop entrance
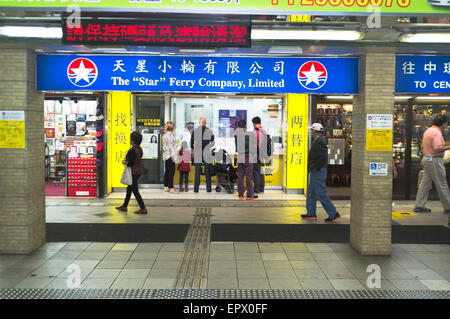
[{"x": 149, "y": 121}]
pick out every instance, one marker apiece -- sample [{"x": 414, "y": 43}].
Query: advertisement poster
[{"x": 149, "y": 146}]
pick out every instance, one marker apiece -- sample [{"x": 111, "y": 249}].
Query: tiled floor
[
  {"x": 232, "y": 265},
  {"x": 102, "y": 211}
]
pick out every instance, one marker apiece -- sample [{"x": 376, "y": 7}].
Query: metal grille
[
  {"x": 193, "y": 265},
  {"x": 218, "y": 294}
]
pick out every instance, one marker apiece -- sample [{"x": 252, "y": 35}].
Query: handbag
[{"x": 126, "y": 179}]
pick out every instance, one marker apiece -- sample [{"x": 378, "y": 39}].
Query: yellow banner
[
  {"x": 378, "y": 140},
  {"x": 296, "y": 141},
  {"x": 12, "y": 134},
  {"x": 119, "y": 130}
]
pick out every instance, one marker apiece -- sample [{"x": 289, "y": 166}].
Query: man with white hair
[
  {"x": 202, "y": 142},
  {"x": 317, "y": 169}
]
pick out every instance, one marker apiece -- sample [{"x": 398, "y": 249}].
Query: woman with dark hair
[{"x": 133, "y": 159}]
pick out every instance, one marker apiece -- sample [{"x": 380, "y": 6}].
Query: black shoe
[
  {"x": 250, "y": 198},
  {"x": 422, "y": 210},
  {"x": 336, "y": 217},
  {"x": 195, "y": 191},
  {"x": 447, "y": 211},
  {"x": 309, "y": 217}
]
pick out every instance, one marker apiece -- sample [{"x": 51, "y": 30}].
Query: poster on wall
[
  {"x": 49, "y": 107},
  {"x": 149, "y": 146},
  {"x": 49, "y": 132},
  {"x": 71, "y": 128},
  {"x": 228, "y": 120},
  {"x": 12, "y": 129},
  {"x": 81, "y": 128}
]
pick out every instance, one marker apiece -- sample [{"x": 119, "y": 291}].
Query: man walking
[
  {"x": 317, "y": 167},
  {"x": 433, "y": 149},
  {"x": 246, "y": 150},
  {"x": 258, "y": 176},
  {"x": 202, "y": 139}
]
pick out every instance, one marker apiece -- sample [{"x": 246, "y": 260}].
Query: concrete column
[
  {"x": 22, "y": 171},
  {"x": 371, "y": 197}
]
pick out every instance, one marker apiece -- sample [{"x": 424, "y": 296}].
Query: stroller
[{"x": 226, "y": 173}]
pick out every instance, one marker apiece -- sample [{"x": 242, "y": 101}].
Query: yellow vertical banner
[
  {"x": 296, "y": 141},
  {"x": 119, "y": 130}
]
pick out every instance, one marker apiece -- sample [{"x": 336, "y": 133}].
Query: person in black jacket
[
  {"x": 246, "y": 150},
  {"x": 133, "y": 159},
  {"x": 317, "y": 168},
  {"x": 202, "y": 141}
]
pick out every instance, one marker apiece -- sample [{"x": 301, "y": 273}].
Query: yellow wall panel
[
  {"x": 296, "y": 139},
  {"x": 119, "y": 130}
]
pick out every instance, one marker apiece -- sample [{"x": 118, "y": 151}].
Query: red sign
[{"x": 158, "y": 33}]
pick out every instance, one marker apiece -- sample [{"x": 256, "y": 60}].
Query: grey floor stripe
[{"x": 218, "y": 294}]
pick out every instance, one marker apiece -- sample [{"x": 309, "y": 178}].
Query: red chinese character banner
[{"x": 157, "y": 33}]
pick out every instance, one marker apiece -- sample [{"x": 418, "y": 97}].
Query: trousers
[
  {"x": 316, "y": 190},
  {"x": 169, "y": 172},
  {"x": 433, "y": 172},
  {"x": 245, "y": 169},
  {"x": 133, "y": 188},
  {"x": 198, "y": 170},
  {"x": 184, "y": 176},
  {"x": 258, "y": 178}
]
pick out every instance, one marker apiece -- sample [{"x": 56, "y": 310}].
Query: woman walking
[
  {"x": 133, "y": 159},
  {"x": 169, "y": 154}
]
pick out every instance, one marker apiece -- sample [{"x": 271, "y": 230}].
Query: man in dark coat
[
  {"x": 317, "y": 169},
  {"x": 202, "y": 141}
]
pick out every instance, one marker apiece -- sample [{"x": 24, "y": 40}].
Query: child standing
[{"x": 184, "y": 167}]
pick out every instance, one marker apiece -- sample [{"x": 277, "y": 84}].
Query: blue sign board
[
  {"x": 197, "y": 74},
  {"x": 422, "y": 74}
]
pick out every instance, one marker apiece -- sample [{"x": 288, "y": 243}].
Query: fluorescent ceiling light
[
  {"x": 340, "y": 97},
  {"x": 285, "y": 50},
  {"x": 31, "y": 32},
  {"x": 284, "y": 34},
  {"x": 200, "y": 50},
  {"x": 429, "y": 37},
  {"x": 433, "y": 98},
  {"x": 401, "y": 97}
]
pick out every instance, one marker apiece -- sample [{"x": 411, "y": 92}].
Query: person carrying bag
[{"x": 133, "y": 166}]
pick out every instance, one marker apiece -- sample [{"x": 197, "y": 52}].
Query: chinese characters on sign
[
  {"x": 158, "y": 33},
  {"x": 193, "y": 74},
  {"x": 422, "y": 74},
  {"x": 379, "y": 132}
]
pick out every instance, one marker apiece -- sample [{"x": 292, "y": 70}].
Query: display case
[{"x": 82, "y": 176}]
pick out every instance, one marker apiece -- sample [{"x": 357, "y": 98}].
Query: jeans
[
  {"x": 258, "y": 178},
  {"x": 185, "y": 176},
  {"x": 133, "y": 188},
  {"x": 169, "y": 172},
  {"x": 198, "y": 170},
  {"x": 317, "y": 190},
  {"x": 245, "y": 169}
]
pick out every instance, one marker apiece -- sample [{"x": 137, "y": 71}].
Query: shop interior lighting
[
  {"x": 31, "y": 32},
  {"x": 285, "y": 34},
  {"x": 430, "y": 98},
  {"x": 339, "y": 97},
  {"x": 403, "y": 97},
  {"x": 429, "y": 37}
]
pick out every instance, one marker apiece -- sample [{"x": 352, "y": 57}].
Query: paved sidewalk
[
  {"x": 69, "y": 210},
  {"x": 231, "y": 265}
]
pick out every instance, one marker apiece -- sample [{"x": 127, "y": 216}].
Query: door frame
[{"x": 159, "y": 98}]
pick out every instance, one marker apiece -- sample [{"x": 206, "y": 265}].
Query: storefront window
[
  {"x": 222, "y": 115},
  {"x": 71, "y": 146}
]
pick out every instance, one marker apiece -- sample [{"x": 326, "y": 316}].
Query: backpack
[{"x": 268, "y": 143}]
